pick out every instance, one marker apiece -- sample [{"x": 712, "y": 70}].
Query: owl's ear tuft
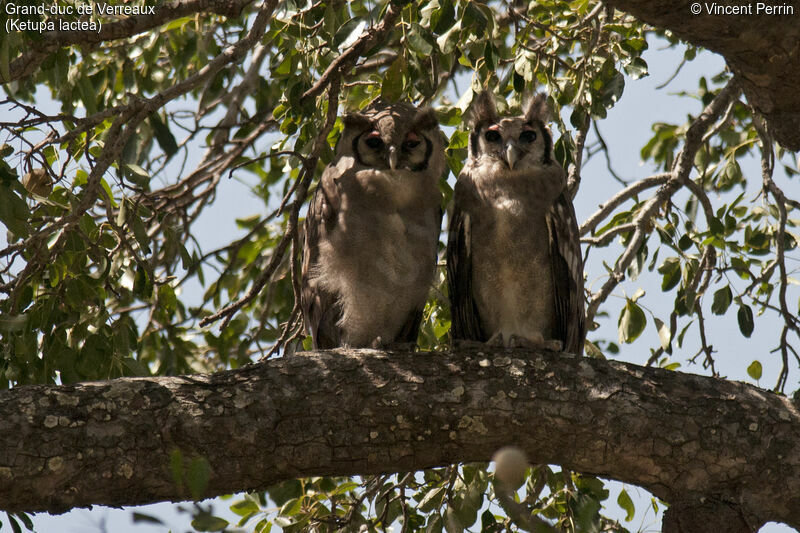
[
  {"x": 537, "y": 109},
  {"x": 484, "y": 110},
  {"x": 356, "y": 121},
  {"x": 425, "y": 119}
]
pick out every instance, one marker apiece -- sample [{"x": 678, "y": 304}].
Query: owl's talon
[
  {"x": 517, "y": 341},
  {"x": 400, "y": 346},
  {"x": 467, "y": 344},
  {"x": 554, "y": 345},
  {"x": 496, "y": 340}
]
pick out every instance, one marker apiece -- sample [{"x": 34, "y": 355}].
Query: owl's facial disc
[{"x": 381, "y": 148}]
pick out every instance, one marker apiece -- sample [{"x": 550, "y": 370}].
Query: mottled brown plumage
[
  {"x": 372, "y": 230},
  {"x": 515, "y": 273}
]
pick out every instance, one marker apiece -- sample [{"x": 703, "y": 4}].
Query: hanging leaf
[
  {"x": 664, "y": 333},
  {"x": 722, "y": 300},
  {"x": 631, "y": 323},
  {"x": 745, "y": 318},
  {"x": 624, "y": 500},
  {"x": 755, "y": 370}
]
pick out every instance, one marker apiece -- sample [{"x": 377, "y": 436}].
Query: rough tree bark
[
  {"x": 762, "y": 49},
  {"x": 712, "y": 446}
]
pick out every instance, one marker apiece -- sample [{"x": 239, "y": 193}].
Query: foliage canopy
[{"x": 100, "y": 193}]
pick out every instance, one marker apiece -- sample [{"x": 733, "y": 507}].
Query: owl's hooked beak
[
  {"x": 512, "y": 155},
  {"x": 393, "y": 157}
]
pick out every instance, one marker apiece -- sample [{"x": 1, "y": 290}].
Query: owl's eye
[
  {"x": 492, "y": 136},
  {"x": 374, "y": 140},
  {"x": 527, "y": 136},
  {"x": 411, "y": 142}
]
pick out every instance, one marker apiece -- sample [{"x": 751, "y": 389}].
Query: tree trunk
[
  {"x": 688, "y": 439},
  {"x": 762, "y": 49}
]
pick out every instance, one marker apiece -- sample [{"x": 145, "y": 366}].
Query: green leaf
[
  {"x": 448, "y": 40},
  {"x": 283, "y": 492},
  {"x": 671, "y": 270},
  {"x": 755, "y": 370},
  {"x": 88, "y": 94},
  {"x": 638, "y": 294},
  {"x": 176, "y": 467},
  {"x": 664, "y": 333},
  {"x": 524, "y": 67},
  {"x": 291, "y": 507},
  {"x": 488, "y": 521},
  {"x": 435, "y": 523},
  {"x": 164, "y": 137},
  {"x": 13, "y": 211},
  {"x": 592, "y": 350},
  {"x": 432, "y": 500},
  {"x": 624, "y": 500},
  {"x": 419, "y": 41},
  {"x": 146, "y": 518},
  {"x": 177, "y": 24},
  {"x": 444, "y": 17},
  {"x": 451, "y": 522},
  {"x": 474, "y": 18},
  {"x": 197, "y": 476},
  {"x": 264, "y": 526},
  {"x": 14, "y": 525},
  {"x": 637, "y": 68},
  {"x": 392, "y": 86},
  {"x": 244, "y": 507},
  {"x": 472, "y": 501},
  {"x": 208, "y": 522},
  {"x": 722, "y": 300},
  {"x": 745, "y": 318},
  {"x": 137, "y": 174},
  {"x": 632, "y": 321},
  {"x": 348, "y": 29},
  {"x": 140, "y": 233}
]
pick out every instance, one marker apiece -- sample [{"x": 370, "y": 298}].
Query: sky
[{"x": 626, "y": 130}]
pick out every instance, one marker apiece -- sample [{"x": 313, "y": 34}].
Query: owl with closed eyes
[
  {"x": 514, "y": 266},
  {"x": 372, "y": 230}
]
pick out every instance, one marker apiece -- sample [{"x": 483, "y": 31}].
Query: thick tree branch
[
  {"x": 761, "y": 48},
  {"x": 688, "y": 439}
]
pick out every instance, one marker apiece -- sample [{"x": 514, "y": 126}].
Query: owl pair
[{"x": 515, "y": 275}]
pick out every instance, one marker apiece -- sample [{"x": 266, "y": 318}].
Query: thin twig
[
  {"x": 678, "y": 178},
  {"x": 621, "y": 197}
]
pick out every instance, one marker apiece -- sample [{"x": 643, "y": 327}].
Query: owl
[
  {"x": 372, "y": 230},
  {"x": 514, "y": 266}
]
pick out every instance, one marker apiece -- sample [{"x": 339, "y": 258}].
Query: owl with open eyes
[
  {"x": 514, "y": 266},
  {"x": 372, "y": 230}
]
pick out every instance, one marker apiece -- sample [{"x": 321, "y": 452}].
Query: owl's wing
[
  {"x": 410, "y": 330},
  {"x": 466, "y": 323},
  {"x": 567, "y": 272},
  {"x": 321, "y": 307}
]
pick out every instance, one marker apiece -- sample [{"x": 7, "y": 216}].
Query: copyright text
[{"x": 753, "y": 8}]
